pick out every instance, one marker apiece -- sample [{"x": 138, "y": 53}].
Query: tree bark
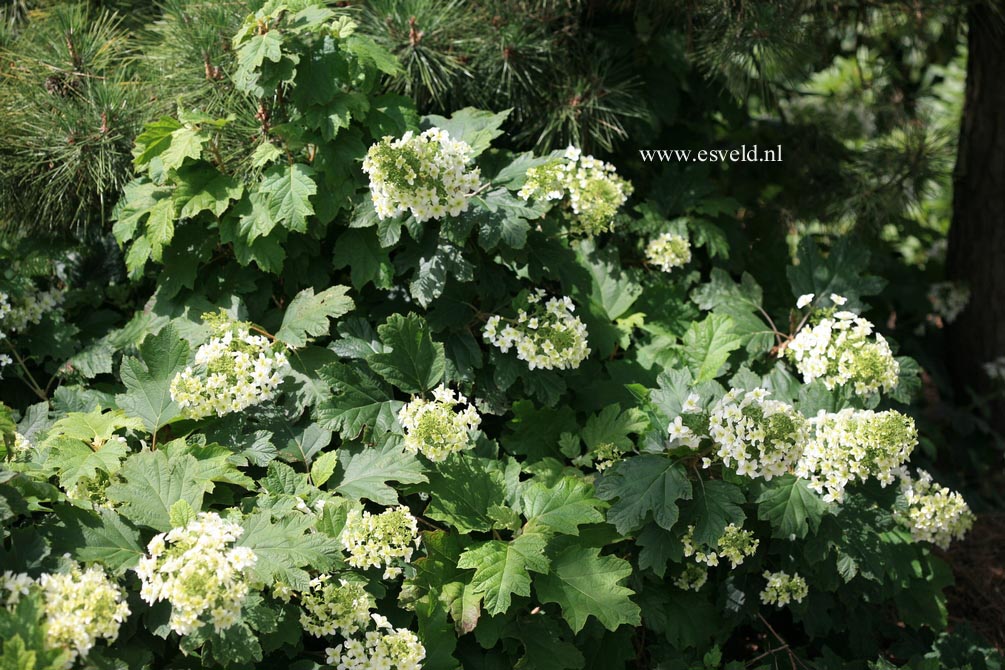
[{"x": 976, "y": 254}]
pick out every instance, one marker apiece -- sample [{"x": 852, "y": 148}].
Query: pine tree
[{"x": 72, "y": 105}]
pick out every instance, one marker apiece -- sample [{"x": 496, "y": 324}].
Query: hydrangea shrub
[{"x": 404, "y": 399}]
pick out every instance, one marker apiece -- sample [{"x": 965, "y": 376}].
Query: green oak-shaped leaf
[
  {"x": 560, "y": 508},
  {"x": 586, "y": 584},
  {"x": 365, "y": 473},
  {"x": 289, "y": 189},
  {"x": 148, "y": 379},
  {"x": 707, "y": 345},
  {"x": 716, "y": 504},
  {"x": 308, "y": 314},
  {"x": 790, "y": 506},
  {"x": 502, "y": 568},
  {"x": 359, "y": 401},
  {"x": 285, "y": 546},
  {"x": 644, "y": 485},
  {"x": 411, "y": 361}
]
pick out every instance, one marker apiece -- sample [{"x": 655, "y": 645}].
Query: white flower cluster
[
  {"x": 735, "y": 545},
  {"x": 854, "y": 445},
  {"x": 934, "y": 513},
  {"x": 234, "y": 370},
  {"x": 196, "y": 569},
  {"x": 335, "y": 607},
  {"x": 837, "y": 350},
  {"x": 603, "y": 456},
  {"x": 948, "y": 299},
  {"x": 398, "y": 649},
  {"x": 762, "y": 437},
  {"x": 14, "y": 586},
  {"x": 5, "y": 310},
  {"x": 995, "y": 370},
  {"x": 594, "y": 189},
  {"x": 20, "y": 448},
  {"x": 783, "y": 588},
  {"x": 426, "y": 174},
  {"x": 434, "y": 429},
  {"x": 31, "y": 305},
  {"x": 381, "y": 539},
  {"x": 81, "y": 607},
  {"x": 549, "y": 336},
  {"x": 669, "y": 251},
  {"x": 692, "y": 577}
]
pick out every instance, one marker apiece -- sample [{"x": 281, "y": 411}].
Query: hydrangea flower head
[
  {"x": 384, "y": 539},
  {"x": 948, "y": 299},
  {"x": 546, "y": 335},
  {"x": 735, "y": 545},
  {"x": 13, "y": 587},
  {"x": 234, "y": 370},
  {"x": 783, "y": 588},
  {"x": 854, "y": 445},
  {"x": 20, "y": 449},
  {"x": 669, "y": 251},
  {"x": 200, "y": 572},
  {"x": 30, "y": 304},
  {"x": 840, "y": 348},
  {"x": 435, "y": 428},
  {"x": 692, "y": 577},
  {"x": 333, "y": 607},
  {"x": 426, "y": 174},
  {"x": 385, "y": 647},
  {"x": 80, "y": 607},
  {"x": 594, "y": 190},
  {"x": 934, "y": 513},
  {"x": 758, "y": 436}
]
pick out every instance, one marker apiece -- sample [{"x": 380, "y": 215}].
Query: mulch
[{"x": 978, "y": 597}]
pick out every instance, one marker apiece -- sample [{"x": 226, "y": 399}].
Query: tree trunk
[{"x": 976, "y": 253}]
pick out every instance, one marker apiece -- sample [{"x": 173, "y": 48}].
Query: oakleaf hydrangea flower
[
  {"x": 383, "y": 539},
  {"x": 435, "y": 428},
  {"x": 948, "y": 299},
  {"x": 783, "y": 588},
  {"x": 425, "y": 174},
  {"x": 20, "y": 448},
  {"x": 606, "y": 454},
  {"x": 934, "y": 513},
  {"x": 837, "y": 349},
  {"x": 28, "y": 308},
  {"x": 854, "y": 445},
  {"x": 762, "y": 437},
  {"x": 232, "y": 371},
  {"x": 13, "y": 587},
  {"x": 669, "y": 251},
  {"x": 547, "y": 335},
  {"x": 692, "y": 577},
  {"x": 682, "y": 435},
  {"x": 594, "y": 190},
  {"x": 398, "y": 649},
  {"x": 81, "y": 607},
  {"x": 735, "y": 545},
  {"x": 995, "y": 370},
  {"x": 199, "y": 571},
  {"x": 333, "y": 607}
]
